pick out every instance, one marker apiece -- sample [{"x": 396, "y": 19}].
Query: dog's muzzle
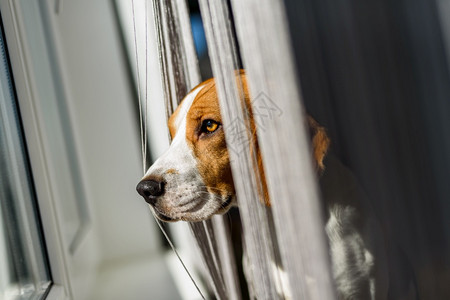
[{"x": 150, "y": 190}]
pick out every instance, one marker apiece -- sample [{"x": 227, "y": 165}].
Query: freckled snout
[{"x": 151, "y": 189}]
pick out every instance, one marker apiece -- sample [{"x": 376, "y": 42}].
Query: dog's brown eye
[{"x": 209, "y": 126}]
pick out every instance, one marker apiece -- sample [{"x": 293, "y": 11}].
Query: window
[
  {"x": 79, "y": 123},
  {"x": 24, "y": 272}
]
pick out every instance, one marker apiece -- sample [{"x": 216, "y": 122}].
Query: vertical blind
[
  {"x": 376, "y": 75},
  {"x": 274, "y": 237}
]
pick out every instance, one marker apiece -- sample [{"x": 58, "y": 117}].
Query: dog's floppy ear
[
  {"x": 254, "y": 145},
  {"x": 263, "y": 190},
  {"x": 320, "y": 143}
]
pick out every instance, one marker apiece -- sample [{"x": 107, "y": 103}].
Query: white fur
[
  {"x": 281, "y": 282},
  {"x": 352, "y": 263},
  {"x": 355, "y": 239}
]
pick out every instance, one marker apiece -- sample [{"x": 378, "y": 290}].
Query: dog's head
[{"x": 192, "y": 180}]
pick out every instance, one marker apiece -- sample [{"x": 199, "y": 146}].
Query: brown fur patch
[
  {"x": 172, "y": 125},
  {"x": 210, "y": 149},
  {"x": 320, "y": 142}
]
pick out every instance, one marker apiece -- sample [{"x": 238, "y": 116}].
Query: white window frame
[{"x": 23, "y": 23}]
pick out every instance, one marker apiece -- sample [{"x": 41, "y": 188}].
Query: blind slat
[
  {"x": 263, "y": 36},
  {"x": 180, "y": 73},
  {"x": 256, "y": 231}
]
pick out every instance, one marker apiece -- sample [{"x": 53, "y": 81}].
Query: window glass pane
[{"x": 24, "y": 272}]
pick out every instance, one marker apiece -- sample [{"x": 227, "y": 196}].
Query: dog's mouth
[{"x": 223, "y": 208}]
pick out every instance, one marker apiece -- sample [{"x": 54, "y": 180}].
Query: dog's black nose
[{"x": 150, "y": 189}]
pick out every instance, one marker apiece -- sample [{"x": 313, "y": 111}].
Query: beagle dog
[{"x": 192, "y": 181}]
